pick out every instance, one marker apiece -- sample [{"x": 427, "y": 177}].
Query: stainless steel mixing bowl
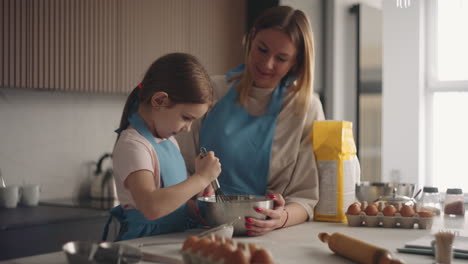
[
  {"x": 235, "y": 208},
  {"x": 371, "y": 191},
  {"x": 80, "y": 252}
]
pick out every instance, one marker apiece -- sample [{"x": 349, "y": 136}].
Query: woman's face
[{"x": 272, "y": 55}]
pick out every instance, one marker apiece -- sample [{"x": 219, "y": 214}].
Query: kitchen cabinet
[
  {"x": 106, "y": 46},
  {"x": 26, "y": 231}
]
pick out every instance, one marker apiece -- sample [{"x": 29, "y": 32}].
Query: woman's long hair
[{"x": 296, "y": 25}]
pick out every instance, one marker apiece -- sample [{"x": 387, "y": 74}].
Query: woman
[{"x": 261, "y": 125}]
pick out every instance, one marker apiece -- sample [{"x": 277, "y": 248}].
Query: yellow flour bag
[{"x": 338, "y": 168}]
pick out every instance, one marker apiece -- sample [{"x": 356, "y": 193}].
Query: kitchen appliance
[
  {"x": 88, "y": 252},
  {"x": 103, "y": 184},
  {"x": 396, "y": 199},
  {"x": 233, "y": 210},
  {"x": 2, "y": 182},
  {"x": 372, "y": 191}
]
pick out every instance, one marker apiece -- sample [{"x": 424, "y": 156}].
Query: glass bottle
[
  {"x": 454, "y": 202},
  {"x": 430, "y": 200}
]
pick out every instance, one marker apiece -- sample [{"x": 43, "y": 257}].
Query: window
[{"x": 447, "y": 94}]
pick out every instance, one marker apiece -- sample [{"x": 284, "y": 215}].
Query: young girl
[{"x": 150, "y": 173}]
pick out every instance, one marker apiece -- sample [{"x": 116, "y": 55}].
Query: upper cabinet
[{"x": 107, "y": 45}]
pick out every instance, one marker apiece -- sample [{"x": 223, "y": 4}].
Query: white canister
[
  {"x": 30, "y": 194},
  {"x": 9, "y": 196}
]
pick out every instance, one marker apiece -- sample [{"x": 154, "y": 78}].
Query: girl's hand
[
  {"x": 276, "y": 218},
  {"x": 208, "y": 166}
]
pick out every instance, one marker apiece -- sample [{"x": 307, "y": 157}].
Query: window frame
[{"x": 434, "y": 86}]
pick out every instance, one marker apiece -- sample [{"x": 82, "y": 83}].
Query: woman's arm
[
  {"x": 303, "y": 189},
  {"x": 297, "y": 182}
]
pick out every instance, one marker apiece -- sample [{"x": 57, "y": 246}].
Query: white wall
[
  {"x": 51, "y": 138},
  {"x": 403, "y": 87}
]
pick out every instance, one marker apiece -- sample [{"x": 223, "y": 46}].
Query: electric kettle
[{"x": 103, "y": 184}]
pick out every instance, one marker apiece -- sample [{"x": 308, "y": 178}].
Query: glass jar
[
  {"x": 430, "y": 200},
  {"x": 454, "y": 202}
]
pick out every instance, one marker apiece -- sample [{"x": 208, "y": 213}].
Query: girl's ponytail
[{"x": 134, "y": 95}]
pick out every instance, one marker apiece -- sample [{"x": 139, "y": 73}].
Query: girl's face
[
  {"x": 168, "y": 120},
  {"x": 272, "y": 55}
]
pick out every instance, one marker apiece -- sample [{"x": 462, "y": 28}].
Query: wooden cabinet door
[{"x": 106, "y": 45}]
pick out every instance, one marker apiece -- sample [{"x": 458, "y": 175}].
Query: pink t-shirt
[{"x": 133, "y": 152}]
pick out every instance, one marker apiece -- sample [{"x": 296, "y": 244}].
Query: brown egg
[
  {"x": 389, "y": 210},
  {"x": 406, "y": 211},
  {"x": 425, "y": 214},
  {"x": 354, "y": 209},
  {"x": 229, "y": 241},
  {"x": 261, "y": 256},
  {"x": 237, "y": 257},
  {"x": 201, "y": 245},
  {"x": 371, "y": 209},
  {"x": 252, "y": 247},
  {"x": 222, "y": 252},
  {"x": 189, "y": 242},
  {"x": 207, "y": 249}
]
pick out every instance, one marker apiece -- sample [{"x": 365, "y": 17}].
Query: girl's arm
[{"x": 155, "y": 203}]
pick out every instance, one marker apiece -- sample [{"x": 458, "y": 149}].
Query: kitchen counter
[
  {"x": 297, "y": 244},
  {"x": 27, "y": 231},
  {"x": 21, "y": 217}
]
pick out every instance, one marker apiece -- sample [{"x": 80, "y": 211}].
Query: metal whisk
[{"x": 219, "y": 194}]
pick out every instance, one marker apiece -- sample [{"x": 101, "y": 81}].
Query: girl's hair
[
  {"x": 180, "y": 75},
  {"x": 296, "y": 25}
]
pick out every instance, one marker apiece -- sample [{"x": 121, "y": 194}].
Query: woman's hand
[{"x": 276, "y": 218}]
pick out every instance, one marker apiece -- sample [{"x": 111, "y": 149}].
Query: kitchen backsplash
[{"x": 52, "y": 138}]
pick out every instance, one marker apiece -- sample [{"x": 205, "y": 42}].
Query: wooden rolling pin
[{"x": 357, "y": 250}]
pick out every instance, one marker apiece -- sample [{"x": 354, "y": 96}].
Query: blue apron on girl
[
  {"x": 242, "y": 144},
  {"x": 173, "y": 171}
]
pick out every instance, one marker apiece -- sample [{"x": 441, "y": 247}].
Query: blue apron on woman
[
  {"x": 173, "y": 171},
  {"x": 241, "y": 141}
]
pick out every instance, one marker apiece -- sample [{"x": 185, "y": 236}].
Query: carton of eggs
[
  {"x": 380, "y": 215},
  {"x": 220, "y": 250}
]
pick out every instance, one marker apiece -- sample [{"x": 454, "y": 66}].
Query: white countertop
[{"x": 297, "y": 244}]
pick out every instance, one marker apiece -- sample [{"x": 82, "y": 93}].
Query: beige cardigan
[{"x": 293, "y": 169}]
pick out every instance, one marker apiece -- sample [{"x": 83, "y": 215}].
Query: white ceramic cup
[
  {"x": 9, "y": 196},
  {"x": 30, "y": 194}
]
